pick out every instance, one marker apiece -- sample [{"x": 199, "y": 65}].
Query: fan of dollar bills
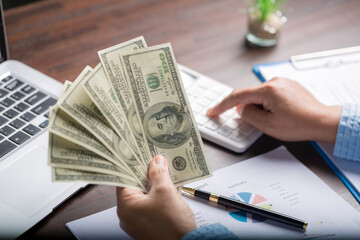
[{"x": 109, "y": 123}]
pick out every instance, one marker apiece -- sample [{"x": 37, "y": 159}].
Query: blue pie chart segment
[
  {"x": 251, "y": 198},
  {"x": 245, "y": 196},
  {"x": 239, "y": 215}
]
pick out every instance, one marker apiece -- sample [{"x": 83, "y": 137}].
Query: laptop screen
[{"x": 3, "y": 43}]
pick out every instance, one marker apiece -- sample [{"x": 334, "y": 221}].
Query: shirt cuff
[
  {"x": 347, "y": 144},
  {"x": 211, "y": 232}
]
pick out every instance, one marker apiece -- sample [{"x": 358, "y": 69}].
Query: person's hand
[
  {"x": 285, "y": 110},
  {"x": 160, "y": 214}
]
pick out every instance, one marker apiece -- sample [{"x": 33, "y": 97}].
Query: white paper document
[{"x": 275, "y": 181}]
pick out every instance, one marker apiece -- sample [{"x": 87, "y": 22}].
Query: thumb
[
  {"x": 255, "y": 115},
  {"x": 159, "y": 173}
]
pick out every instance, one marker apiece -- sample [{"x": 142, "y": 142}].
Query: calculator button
[
  {"x": 212, "y": 125},
  {"x": 218, "y": 89},
  {"x": 196, "y": 92},
  {"x": 195, "y": 98},
  {"x": 232, "y": 123},
  {"x": 237, "y": 136},
  {"x": 229, "y": 113},
  {"x": 191, "y": 99},
  {"x": 245, "y": 128},
  {"x": 211, "y": 95},
  {"x": 196, "y": 108},
  {"x": 204, "y": 102},
  {"x": 212, "y": 104},
  {"x": 226, "y": 92},
  {"x": 201, "y": 119},
  {"x": 225, "y": 131},
  {"x": 204, "y": 86},
  {"x": 252, "y": 134},
  {"x": 219, "y": 100},
  {"x": 14, "y": 85},
  {"x": 19, "y": 138},
  {"x": 46, "y": 115}
]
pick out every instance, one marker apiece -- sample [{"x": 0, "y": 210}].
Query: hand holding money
[
  {"x": 113, "y": 119},
  {"x": 161, "y": 214}
]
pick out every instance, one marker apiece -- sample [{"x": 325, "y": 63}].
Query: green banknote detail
[{"x": 164, "y": 112}]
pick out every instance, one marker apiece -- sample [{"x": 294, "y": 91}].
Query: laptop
[{"x": 27, "y": 193}]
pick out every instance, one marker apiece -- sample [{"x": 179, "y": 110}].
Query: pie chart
[{"x": 251, "y": 198}]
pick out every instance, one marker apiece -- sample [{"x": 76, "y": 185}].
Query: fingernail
[
  {"x": 209, "y": 111},
  {"x": 160, "y": 160}
]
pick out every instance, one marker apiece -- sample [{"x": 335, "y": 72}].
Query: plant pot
[{"x": 264, "y": 33}]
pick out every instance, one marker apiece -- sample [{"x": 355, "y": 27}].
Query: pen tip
[{"x": 305, "y": 225}]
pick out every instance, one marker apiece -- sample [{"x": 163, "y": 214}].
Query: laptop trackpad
[{"x": 26, "y": 184}]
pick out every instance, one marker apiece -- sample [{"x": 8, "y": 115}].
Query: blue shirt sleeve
[
  {"x": 211, "y": 232},
  {"x": 347, "y": 144}
]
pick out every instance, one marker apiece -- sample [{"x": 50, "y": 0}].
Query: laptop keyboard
[{"x": 23, "y": 113}]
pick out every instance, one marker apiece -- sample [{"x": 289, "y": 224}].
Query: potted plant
[{"x": 265, "y": 22}]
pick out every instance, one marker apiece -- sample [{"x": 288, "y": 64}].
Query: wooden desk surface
[{"x": 60, "y": 37}]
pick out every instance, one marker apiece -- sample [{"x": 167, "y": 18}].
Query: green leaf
[{"x": 265, "y": 7}]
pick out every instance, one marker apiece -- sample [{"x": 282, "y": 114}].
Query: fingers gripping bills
[{"x": 112, "y": 120}]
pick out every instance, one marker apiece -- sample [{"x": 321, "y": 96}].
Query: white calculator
[{"x": 228, "y": 130}]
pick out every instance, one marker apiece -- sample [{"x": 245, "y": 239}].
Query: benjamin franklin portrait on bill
[{"x": 167, "y": 125}]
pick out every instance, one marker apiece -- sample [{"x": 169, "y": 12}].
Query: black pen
[{"x": 229, "y": 202}]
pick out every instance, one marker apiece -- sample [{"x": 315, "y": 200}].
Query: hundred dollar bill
[
  {"x": 79, "y": 106},
  {"x": 66, "y": 154},
  {"x": 61, "y": 124},
  {"x": 111, "y": 63},
  {"x": 74, "y": 157},
  {"x": 71, "y": 175},
  {"x": 165, "y": 113},
  {"x": 99, "y": 90}
]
